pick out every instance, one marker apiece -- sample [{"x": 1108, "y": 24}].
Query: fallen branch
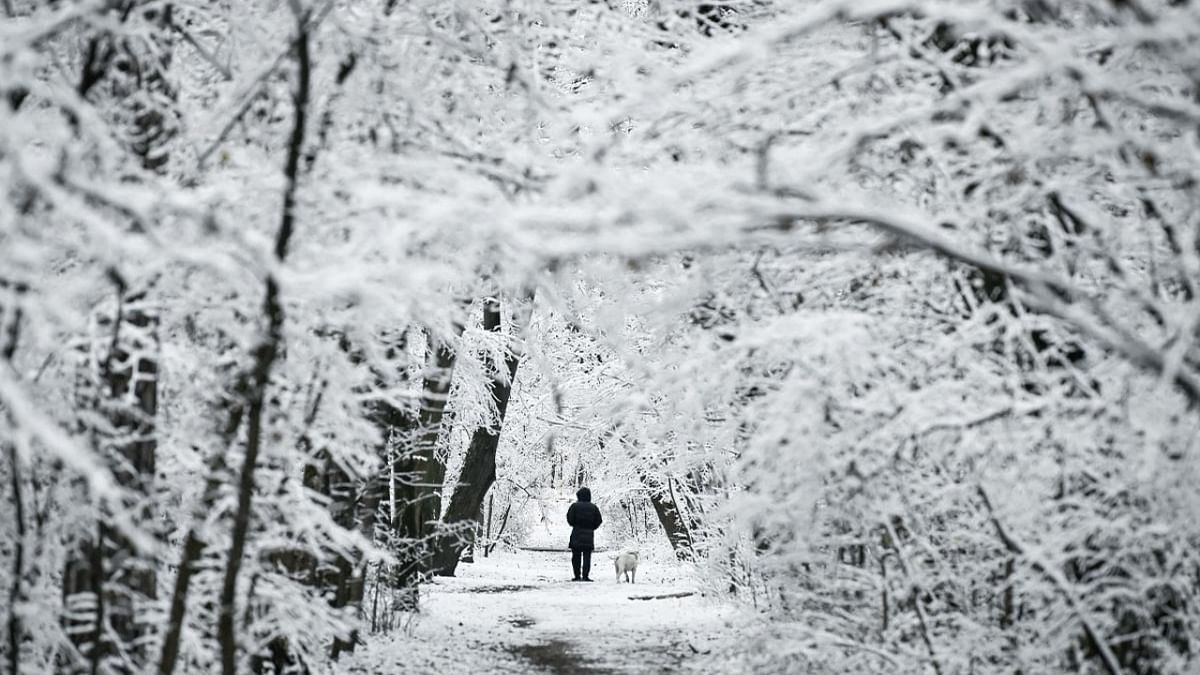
[{"x": 664, "y": 596}]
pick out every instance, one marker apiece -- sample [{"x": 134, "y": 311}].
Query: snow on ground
[{"x": 520, "y": 613}]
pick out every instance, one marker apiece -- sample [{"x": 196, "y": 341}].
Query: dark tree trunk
[
  {"x": 671, "y": 518},
  {"x": 1008, "y": 616},
  {"x": 343, "y": 584},
  {"x": 422, "y": 503},
  {"x": 418, "y": 471},
  {"x": 885, "y": 609},
  {"x": 16, "y": 594},
  {"x": 10, "y": 330},
  {"x": 107, "y": 579},
  {"x": 129, "y": 70},
  {"x": 193, "y": 545},
  {"x": 363, "y": 508},
  {"x": 479, "y": 465},
  {"x": 500, "y": 530},
  {"x": 265, "y": 354},
  {"x": 395, "y": 425}
]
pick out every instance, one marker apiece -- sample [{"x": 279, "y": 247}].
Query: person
[{"x": 584, "y": 518}]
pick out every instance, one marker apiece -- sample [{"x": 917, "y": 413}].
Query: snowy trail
[{"x": 518, "y": 613}]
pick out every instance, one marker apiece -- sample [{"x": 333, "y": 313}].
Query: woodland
[{"x": 878, "y": 316}]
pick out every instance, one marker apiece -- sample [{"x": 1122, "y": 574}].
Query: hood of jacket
[{"x": 584, "y": 495}]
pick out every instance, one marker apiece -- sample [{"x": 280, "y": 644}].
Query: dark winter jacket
[{"x": 584, "y": 518}]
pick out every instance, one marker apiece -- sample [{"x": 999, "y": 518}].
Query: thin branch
[
  {"x": 763, "y": 284},
  {"x": 57, "y": 441},
  {"x": 265, "y": 356},
  {"x": 1055, "y": 577},
  {"x": 1055, "y": 295},
  {"x": 916, "y": 590},
  {"x": 202, "y": 51},
  {"x": 311, "y": 23}
]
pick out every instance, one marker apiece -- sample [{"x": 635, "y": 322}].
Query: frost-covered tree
[{"x": 884, "y": 309}]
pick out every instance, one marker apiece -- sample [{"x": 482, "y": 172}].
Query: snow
[
  {"x": 545, "y": 524},
  {"x": 517, "y": 612},
  {"x": 885, "y": 311}
]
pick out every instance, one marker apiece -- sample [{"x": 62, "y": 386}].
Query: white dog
[{"x": 626, "y": 564}]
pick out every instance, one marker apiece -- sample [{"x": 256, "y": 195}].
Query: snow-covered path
[{"x": 519, "y": 613}]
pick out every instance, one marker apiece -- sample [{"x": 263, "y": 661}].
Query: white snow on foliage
[{"x": 874, "y": 325}]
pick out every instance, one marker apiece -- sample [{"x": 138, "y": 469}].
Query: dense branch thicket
[{"x": 882, "y": 314}]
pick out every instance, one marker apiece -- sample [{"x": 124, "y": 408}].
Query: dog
[{"x": 626, "y": 565}]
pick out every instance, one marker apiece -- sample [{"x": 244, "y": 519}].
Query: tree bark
[
  {"x": 16, "y": 594},
  {"x": 671, "y": 519},
  {"x": 193, "y": 546},
  {"x": 422, "y": 503},
  {"x": 499, "y": 531},
  {"x": 265, "y": 355},
  {"x": 119, "y": 381},
  {"x": 419, "y": 472},
  {"x": 10, "y": 328},
  {"x": 479, "y": 465},
  {"x": 107, "y": 579}
]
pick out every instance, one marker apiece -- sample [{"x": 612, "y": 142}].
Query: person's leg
[
  {"x": 575, "y": 562},
  {"x": 587, "y": 565}
]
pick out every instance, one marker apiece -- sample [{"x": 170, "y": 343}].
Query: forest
[{"x": 875, "y": 321}]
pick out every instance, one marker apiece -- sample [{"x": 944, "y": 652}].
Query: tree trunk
[
  {"x": 344, "y": 584},
  {"x": 266, "y": 352},
  {"x": 107, "y": 580},
  {"x": 10, "y": 329},
  {"x": 487, "y": 531},
  {"x": 500, "y": 530},
  {"x": 671, "y": 519},
  {"x": 193, "y": 546},
  {"x": 479, "y": 466},
  {"x": 136, "y": 68},
  {"x": 265, "y": 356},
  {"x": 420, "y": 472}
]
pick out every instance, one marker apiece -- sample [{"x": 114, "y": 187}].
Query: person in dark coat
[{"x": 584, "y": 518}]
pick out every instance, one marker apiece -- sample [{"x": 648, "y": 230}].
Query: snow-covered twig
[{"x": 1055, "y": 577}]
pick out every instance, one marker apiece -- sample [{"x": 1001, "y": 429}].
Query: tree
[
  {"x": 478, "y": 471},
  {"x": 110, "y": 579},
  {"x": 10, "y": 334},
  {"x": 886, "y": 309}
]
